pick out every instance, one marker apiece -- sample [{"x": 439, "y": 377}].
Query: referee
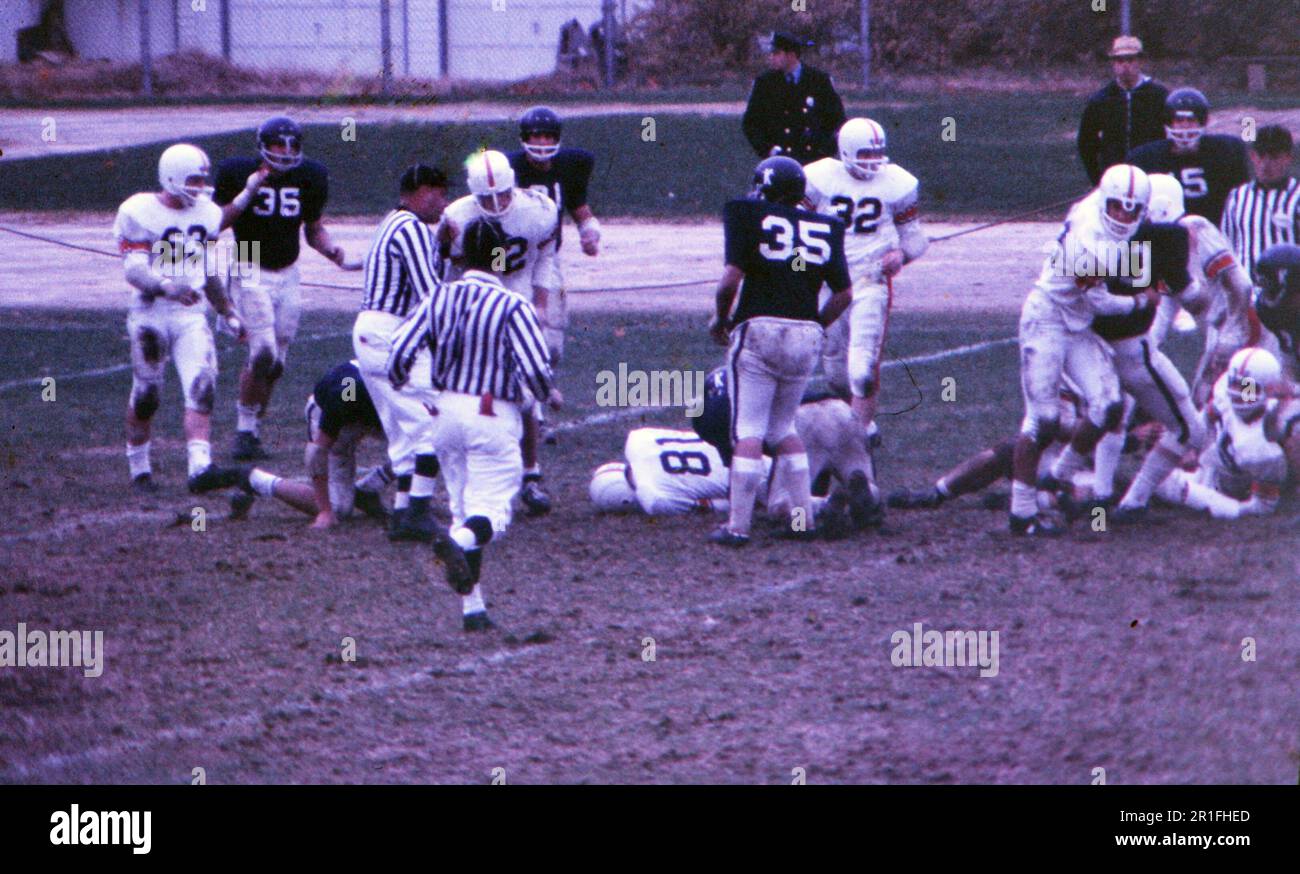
[
  {"x": 488, "y": 361},
  {"x": 793, "y": 108},
  {"x": 1265, "y": 211},
  {"x": 403, "y": 268}
]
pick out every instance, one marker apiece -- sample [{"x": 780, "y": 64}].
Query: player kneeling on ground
[
  {"x": 164, "y": 237},
  {"x": 777, "y": 257},
  {"x": 669, "y": 472},
  {"x": 488, "y": 359},
  {"x": 340, "y": 415},
  {"x": 1255, "y": 438}
]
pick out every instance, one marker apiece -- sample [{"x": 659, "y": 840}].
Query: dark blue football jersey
[
  {"x": 763, "y": 238},
  {"x": 343, "y": 400},
  {"x": 564, "y": 181},
  {"x": 278, "y": 209},
  {"x": 1218, "y": 165},
  {"x": 1169, "y": 251},
  {"x": 1284, "y": 322}
]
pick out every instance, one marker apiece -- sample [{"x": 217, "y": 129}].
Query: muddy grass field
[{"x": 1119, "y": 650}]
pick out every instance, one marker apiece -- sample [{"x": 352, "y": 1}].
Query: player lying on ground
[
  {"x": 339, "y": 417},
  {"x": 164, "y": 237},
  {"x": 526, "y": 267},
  {"x": 877, "y": 201},
  {"x": 669, "y": 472},
  {"x": 266, "y": 200},
  {"x": 1254, "y": 444},
  {"x": 988, "y": 466}
]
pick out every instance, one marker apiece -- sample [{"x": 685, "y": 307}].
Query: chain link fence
[{"x": 373, "y": 44}]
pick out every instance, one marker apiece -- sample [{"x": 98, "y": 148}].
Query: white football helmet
[
  {"x": 177, "y": 169},
  {"x": 862, "y": 134},
  {"x": 610, "y": 491},
  {"x": 491, "y": 180},
  {"x": 1166, "y": 198},
  {"x": 1128, "y": 189},
  {"x": 1254, "y": 376}
]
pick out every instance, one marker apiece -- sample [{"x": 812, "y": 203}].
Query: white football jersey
[
  {"x": 871, "y": 209},
  {"x": 530, "y": 225},
  {"x": 674, "y": 471},
  {"x": 1239, "y": 456},
  {"x": 1074, "y": 272},
  {"x": 143, "y": 221}
]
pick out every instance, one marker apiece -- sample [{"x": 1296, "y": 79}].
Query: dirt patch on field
[{"x": 987, "y": 270}]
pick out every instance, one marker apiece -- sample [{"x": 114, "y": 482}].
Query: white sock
[
  {"x": 1157, "y": 465},
  {"x": 247, "y": 418},
  {"x": 401, "y": 500},
  {"x": 262, "y": 482},
  {"x": 746, "y": 477},
  {"x": 200, "y": 455},
  {"x": 1024, "y": 499},
  {"x": 798, "y": 485},
  {"x": 137, "y": 458},
  {"x": 473, "y": 602},
  {"x": 1106, "y": 460},
  {"x": 1068, "y": 463}
]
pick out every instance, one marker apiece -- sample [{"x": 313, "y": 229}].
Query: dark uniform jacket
[
  {"x": 801, "y": 117},
  {"x": 1116, "y": 121}
]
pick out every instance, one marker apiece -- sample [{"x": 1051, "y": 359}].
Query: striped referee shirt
[
  {"x": 1255, "y": 217},
  {"x": 484, "y": 339},
  {"x": 403, "y": 266}
]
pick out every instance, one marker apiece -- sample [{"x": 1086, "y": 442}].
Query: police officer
[
  {"x": 793, "y": 108},
  {"x": 1126, "y": 113}
]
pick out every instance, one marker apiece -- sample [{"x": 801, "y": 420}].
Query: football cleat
[
  {"x": 144, "y": 484},
  {"x": 457, "y": 570},
  {"x": 478, "y": 621},
  {"x": 864, "y": 509},
  {"x": 1034, "y": 526},
  {"x": 212, "y": 478},
  {"x": 1128, "y": 515},
  {"x": 240, "y": 504},
  {"x": 907, "y": 499},
  {"x": 413, "y": 525},
  {"x": 248, "y": 447},
  {"x": 371, "y": 504},
  {"x": 724, "y": 536},
  {"x": 833, "y": 520},
  {"x": 535, "y": 498}
]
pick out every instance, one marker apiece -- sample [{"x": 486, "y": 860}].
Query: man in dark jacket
[
  {"x": 1128, "y": 112},
  {"x": 793, "y": 108}
]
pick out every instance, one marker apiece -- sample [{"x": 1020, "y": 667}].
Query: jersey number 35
[{"x": 780, "y": 236}]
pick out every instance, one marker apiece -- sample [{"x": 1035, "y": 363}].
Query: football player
[
  {"x": 531, "y": 222},
  {"x": 877, "y": 201},
  {"x": 339, "y": 416},
  {"x": 1277, "y": 275},
  {"x": 1055, "y": 335},
  {"x": 1208, "y": 166},
  {"x": 1255, "y": 436},
  {"x": 562, "y": 174},
  {"x": 266, "y": 200},
  {"x": 668, "y": 472},
  {"x": 777, "y": 258},
  {"x": 1218, "y": 296},
  {"x": 164, "y": 239}
]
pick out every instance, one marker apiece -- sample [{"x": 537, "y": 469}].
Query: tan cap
[{"x": 1125, "y": 47}]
